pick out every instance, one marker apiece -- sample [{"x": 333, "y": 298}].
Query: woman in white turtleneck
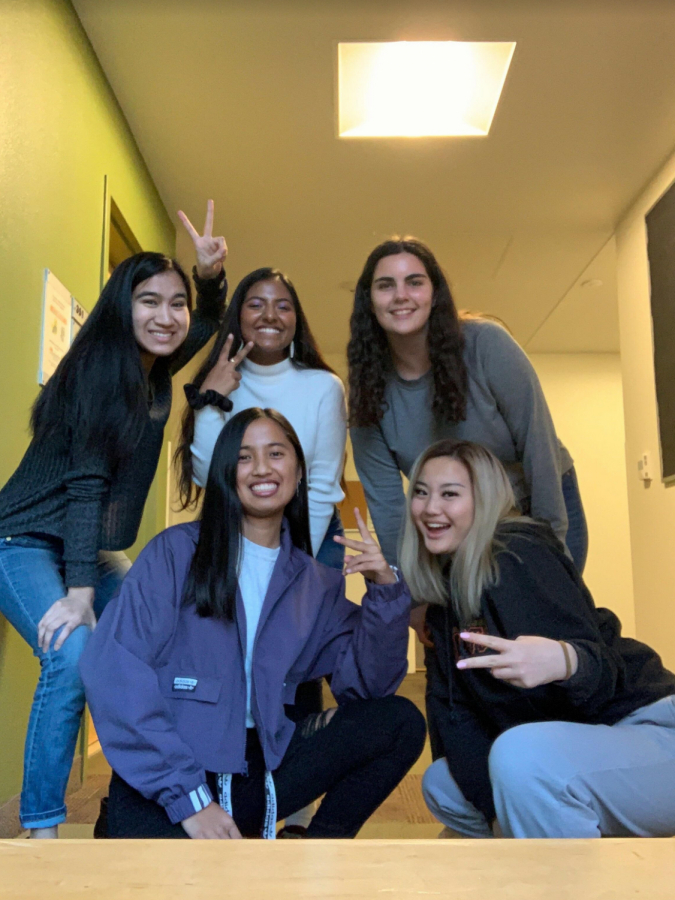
[{"x": 265, "y": 355}]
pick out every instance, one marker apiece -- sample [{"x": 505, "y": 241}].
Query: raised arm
[
  {"x": 365, "y": 647},
  {"x": 381, "y": 479},
  {"x": 211, "y": 284},
  {"x": 222, "y": 380}
]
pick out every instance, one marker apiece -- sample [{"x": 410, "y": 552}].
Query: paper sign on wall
[{"x": 57, "y": 314}]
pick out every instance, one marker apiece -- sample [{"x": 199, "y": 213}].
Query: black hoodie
[{"x": 538, "y": 592}]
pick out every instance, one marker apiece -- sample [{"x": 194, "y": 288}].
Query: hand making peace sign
[
  {"x": 370, "y": 562},
  {"x": 224, "y": 376},
  {"x": 527, "y": 662},
  {"x": 211, "y": 251}
]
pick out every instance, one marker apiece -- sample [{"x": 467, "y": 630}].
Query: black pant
[{"x": 356, "y": 760}]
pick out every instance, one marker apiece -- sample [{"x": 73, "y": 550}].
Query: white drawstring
[{"x": 225, "y": 801}]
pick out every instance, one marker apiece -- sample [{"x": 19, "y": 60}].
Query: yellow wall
[
  {"x": 652, "y": 507},
  {"x": 584, "y": 394},
  {"x": 61, "y": 133}
]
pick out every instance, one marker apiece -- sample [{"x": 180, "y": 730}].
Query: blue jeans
[
  {"x": 330, "y": 553},
  {"x": 31, "y": 581},
  {"x": 572, "y": 780},
  {"x": 577, "y": 529}
]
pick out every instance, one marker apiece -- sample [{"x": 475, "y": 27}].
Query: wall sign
[{"x": 57, "y": 314}]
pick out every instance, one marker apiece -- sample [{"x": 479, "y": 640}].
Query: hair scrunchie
[{"x": 197, "y": 400}]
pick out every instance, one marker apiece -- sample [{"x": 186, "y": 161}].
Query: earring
[{"x": 291, "y": 352}]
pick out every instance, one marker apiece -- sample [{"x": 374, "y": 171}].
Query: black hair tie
[{"x": 197, "y": 400}]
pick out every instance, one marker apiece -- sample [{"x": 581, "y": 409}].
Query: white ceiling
[{"x": 235, "y": 100}]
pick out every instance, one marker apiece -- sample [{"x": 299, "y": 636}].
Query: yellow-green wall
[{"x": 61, "y": 133}]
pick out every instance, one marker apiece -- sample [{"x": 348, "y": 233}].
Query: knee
[
  {"x": 409, "y": 723},
  {"x": 435, "y": 786},
  {"x": 394, "y": 716},
  {"x": 518, "y": 758},
  {"x": 64, "y": 662}
]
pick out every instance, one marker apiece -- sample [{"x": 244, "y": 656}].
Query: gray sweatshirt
[{"x": 506, "y": 412}]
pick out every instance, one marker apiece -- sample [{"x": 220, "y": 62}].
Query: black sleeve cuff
[
  {"x": 207, "y": 398},
  {"x": 208, "y": 286}
]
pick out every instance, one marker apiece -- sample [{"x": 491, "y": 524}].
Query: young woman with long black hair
[
  {"x": 550, "y": 722},
  {"x": 417, "y": 374},
  {"x": 191, "y": 669},
  {"x": 77, "y": 497},
  {"x": 265, "y": 355}
]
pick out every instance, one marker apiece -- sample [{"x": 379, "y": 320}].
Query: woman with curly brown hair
[{"x": 419, "y": 373}]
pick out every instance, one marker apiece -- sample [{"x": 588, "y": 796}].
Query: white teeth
[
  {"x": 269, "y": 330},
  {"x": 263, "y": 488}
]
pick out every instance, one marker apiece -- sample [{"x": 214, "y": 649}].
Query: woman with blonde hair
[{"x": 550, "y": 722}]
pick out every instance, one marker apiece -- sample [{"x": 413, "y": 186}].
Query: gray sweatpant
[{"x": 566, "y": 780}]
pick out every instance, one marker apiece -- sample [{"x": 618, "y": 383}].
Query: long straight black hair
[
  {"x": 213, "y": 577},
  {"x": 99, "y": 386},
  {"x": 306, "y": 355}
]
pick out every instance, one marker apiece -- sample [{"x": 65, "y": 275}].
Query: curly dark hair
[
  {"x": 306, "y": 355},
  {"x": 369, "y": 356}
]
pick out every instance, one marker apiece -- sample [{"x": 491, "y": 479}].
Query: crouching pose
[
  {"x": 550, "y": 721},
  {"x": 191, "y": 667}
]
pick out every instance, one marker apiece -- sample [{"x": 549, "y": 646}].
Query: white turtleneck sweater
[{"x": 313, "y": 401}]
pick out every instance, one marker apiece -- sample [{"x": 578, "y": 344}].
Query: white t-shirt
[
  {"x": 313, "y": 401},
  {"x": 255, "y": 571}
]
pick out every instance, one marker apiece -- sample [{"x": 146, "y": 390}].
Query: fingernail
[{"x": 461, "y": 665}]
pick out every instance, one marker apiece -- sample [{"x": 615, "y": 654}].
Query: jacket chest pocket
[{"x": 188, "y": 686}]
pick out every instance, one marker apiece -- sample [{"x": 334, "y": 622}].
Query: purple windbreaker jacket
[{"x": 167, "y": 688}]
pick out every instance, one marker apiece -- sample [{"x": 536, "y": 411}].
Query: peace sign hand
[
  {"x": 211, "y": 251},
  {"x": 224, "y": 377},
  {"x": 527, "y": 662},
  {"x": 370, "y": 562}
]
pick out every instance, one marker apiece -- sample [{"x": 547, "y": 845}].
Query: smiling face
[
  {"x": 401, "y": 294},
  {"x": 160, "y": 315},
  {"x": 268, "y": 473},
  {"x": 268, "y": 319},
  {"x": 442, "y": 505}
]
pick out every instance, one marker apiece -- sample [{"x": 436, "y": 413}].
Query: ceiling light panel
[{"x": 420, "y": 88}]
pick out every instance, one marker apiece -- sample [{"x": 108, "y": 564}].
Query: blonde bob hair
[{"x": 474, "y": 564}]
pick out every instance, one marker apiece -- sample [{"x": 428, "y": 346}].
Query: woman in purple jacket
[{"x": 193, "y": 666}]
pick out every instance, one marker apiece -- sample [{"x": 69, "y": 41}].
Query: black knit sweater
[
  {"x": 81, "y": 499},
  {"x": 539, "y": 592}
]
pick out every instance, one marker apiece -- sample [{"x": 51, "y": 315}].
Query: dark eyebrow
[
  {"x": 157, "y": 294},
  {"x": 272, "y": 444},
  {"x": 275, "y": 299},
  {"x": 407, "y": 277}
]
